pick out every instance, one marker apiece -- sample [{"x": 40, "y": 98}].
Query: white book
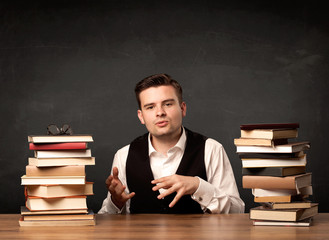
[
  {"x": 303, "y": 223},
  {"x": 285, "y": 148},
  {"x": 62, "y": 153},
  {"x": 41, "y": 204},
  {"x": 41, "y": 180},
  {"x": 60, "y": 138},
  {"x": 259, "y": 192},
  {"x": 52, "y": 162},
  {"x": 254, "y": 162}
]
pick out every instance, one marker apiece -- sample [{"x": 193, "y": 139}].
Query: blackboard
[{"x": 239, "y": 62}]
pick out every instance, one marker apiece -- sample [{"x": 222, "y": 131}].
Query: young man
[{"x": 170, "y": 169}]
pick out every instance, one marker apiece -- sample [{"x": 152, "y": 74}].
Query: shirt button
[{"x": 200, "y": 199}]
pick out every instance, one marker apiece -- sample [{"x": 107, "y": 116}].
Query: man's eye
[
  {"x": 168, "y": 104},
  {"x": 149, "y": 107}
]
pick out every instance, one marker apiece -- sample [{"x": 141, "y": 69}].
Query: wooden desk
[{"x": 169, "y": 227}]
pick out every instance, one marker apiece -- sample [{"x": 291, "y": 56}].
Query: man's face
[{"x": 161, "y": 111}]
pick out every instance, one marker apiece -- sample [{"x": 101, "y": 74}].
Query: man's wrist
[{"x": 118, "y": 204}]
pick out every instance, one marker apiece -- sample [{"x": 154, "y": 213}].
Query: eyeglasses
[{"x": 52, "y": 129}]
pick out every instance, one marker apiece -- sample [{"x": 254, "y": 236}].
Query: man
[{"x": 171, "y": 169}]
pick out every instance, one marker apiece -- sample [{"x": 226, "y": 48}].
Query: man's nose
[{"x": 160, "y": 111}]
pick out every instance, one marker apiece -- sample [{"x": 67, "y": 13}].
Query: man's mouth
[{"x": 162, "y": 123}]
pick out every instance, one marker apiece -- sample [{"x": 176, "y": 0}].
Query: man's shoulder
[
  {"x": 212, "y": 143},
  {"x": 124, "y": 150}
]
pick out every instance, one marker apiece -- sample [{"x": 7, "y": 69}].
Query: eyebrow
[{"x": 164, "y": 101}]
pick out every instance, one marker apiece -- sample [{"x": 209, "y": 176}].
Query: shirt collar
[{"x": 180, "y": 144}]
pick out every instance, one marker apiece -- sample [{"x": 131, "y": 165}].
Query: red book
[
  {"x": 58, "y": 146},
  {"x": 268, "y": 126}
]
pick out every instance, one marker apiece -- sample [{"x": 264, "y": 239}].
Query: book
[
  {"x": 56, "y": 217},
  {"x": 55, "y": 171},
  {"x": 59, "y": 223},
  {"x": 268, "y": 126},
  {"x": 43, "y": 180},
  {"x": 271, "y": 155},
  {"x": 51, "y": 162},
  {"x": 25, "y": 211},
  {"x": 57, "y": 203},
  {"x": 259, "y": 142},
  {"x": 259, "y": 192},
  {"x": 271, "y": 134},
  {"x": 49, "y": 191},
  {"x": 290, "y": 205},
  {"x": 269, "y": 182},
  {"x": 58, "y": 146},
  {"x": 293, "y": 215},
  {"x": 62, "y": 153},
  {"x": 286, "y": 148},
  {"x": 303, "y": 223},
  {"x": 287, "y": 198},
  {"x": 263, "y": 163},
  {"x": 274, "y": 171},
  {"x": 59, "y": 138}
]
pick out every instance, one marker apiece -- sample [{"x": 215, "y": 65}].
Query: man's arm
[
  {"x": 116, "y": 183},
  {"x": 220, "y": 193},
  {"x": 217, "y": 195}
]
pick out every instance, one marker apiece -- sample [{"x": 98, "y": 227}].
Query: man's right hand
[{"x": 117, "y": 189}]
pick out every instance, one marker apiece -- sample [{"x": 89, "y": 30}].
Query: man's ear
[
  {"x": 183, "y": 108},
  {"x": 140, "y": 116}
]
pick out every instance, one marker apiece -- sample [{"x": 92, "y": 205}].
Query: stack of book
[
  {"x": 275, "y": 169},
  {"x": 55, "y": 182}
]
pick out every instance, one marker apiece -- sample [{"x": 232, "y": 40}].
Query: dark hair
[{"x": 157, "y": 80}]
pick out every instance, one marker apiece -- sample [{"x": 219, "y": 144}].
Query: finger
[
  {"x": 166, "y": 193},
  {"x": 175, "y": 200},
  {"x": 163, "y": 185},
  {"x": 159, "y": 180},
  {"x": 109, "y": 180},
  {"x": 112, "y": 187},
  {"x": 115, "y": 173},
  {"x": 130, "y": 195}
]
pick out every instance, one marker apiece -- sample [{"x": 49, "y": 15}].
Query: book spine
[
  {"x": 58, "y": 146},
  {"x": 268, "y": 182},
  {"x": 55, "y": 171}
]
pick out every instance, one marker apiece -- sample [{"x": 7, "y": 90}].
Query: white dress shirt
[{"x": 217, "y": 195}]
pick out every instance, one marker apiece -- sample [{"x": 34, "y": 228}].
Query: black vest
[{"x": 139, "y": 176}]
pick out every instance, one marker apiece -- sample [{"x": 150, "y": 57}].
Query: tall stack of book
[
  {"x": 55, "y": 182},
  {"x": 275, "y": 169}
]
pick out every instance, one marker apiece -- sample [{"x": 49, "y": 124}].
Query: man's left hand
[{"x": 183, "y": 185}]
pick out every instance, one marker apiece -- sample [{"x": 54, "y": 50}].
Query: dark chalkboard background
[{"x": 77, "y": 62}]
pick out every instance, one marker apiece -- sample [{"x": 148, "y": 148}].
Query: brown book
[
  {"x": 58, "y": 223},
  {"x": 262, "y": 213},
  {"x": 289, "y": 205},
  {"x": 55, "y": 171},
  {"x": 269, "y": 182},
  {"x": 25, "y": 211},
  {"x": 49, "y": 191},
  {"x": 56, "y": 217},
  {"x": 274, "y": 171},
  {"x": 268, "y": 126}
]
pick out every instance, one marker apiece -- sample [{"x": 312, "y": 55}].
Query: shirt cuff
[
  {"x": 114, "y": 208},
  {"x": 204, "y": 194}
]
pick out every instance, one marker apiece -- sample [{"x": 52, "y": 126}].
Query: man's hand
[
  {"x": 117, "y": 189},
  {"x": 183, "y": 185}
]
